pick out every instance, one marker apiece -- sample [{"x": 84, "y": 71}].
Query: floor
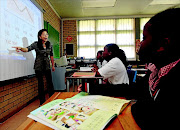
[{"x": 17, "y": 119}]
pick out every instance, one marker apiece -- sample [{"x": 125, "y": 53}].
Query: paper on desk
[
  {"x": 86, "y": 69},
  {"x": 84, "y": 74}
]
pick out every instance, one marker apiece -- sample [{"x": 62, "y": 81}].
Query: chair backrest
[{"x": 132, "y": 76}]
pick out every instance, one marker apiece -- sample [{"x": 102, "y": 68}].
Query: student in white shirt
[
  {"x": 114, "y": 71},
  {"x": 100, "y": 61}
]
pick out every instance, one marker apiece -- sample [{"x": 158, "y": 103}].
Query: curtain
[
  {"x": 93, "y": 35},
  {"x": 126, "y": 36},
  {"x": 86, "y": 38}
]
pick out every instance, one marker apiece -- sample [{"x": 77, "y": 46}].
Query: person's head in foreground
[{"x": 161, "y": 38}]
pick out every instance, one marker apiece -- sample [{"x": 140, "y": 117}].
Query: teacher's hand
[
  {"x": 53, "y": 69},
  {"x": 17, "y": 48}
]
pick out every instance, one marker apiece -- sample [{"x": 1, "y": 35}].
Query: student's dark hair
[
  {"x": 100, "y": 52},
  {"x": 166, "y": 24},
  {"x": 40, "y": 46},
  {"x": 116, "y": 52}
]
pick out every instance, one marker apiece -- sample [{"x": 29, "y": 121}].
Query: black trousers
[{"x": 50, "y": 88}]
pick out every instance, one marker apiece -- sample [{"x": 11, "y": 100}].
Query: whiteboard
[{"x": 20, "y": 22}]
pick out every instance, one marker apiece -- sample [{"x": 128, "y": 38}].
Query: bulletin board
[{"x": 53, "y": 38}]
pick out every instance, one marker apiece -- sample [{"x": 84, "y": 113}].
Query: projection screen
[{"x": 20, "y": 21}]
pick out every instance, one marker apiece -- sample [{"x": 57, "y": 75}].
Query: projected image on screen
[{"x": 20, "y": 22}]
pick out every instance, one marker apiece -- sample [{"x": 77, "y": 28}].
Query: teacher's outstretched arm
[{"x": 21, "y": 49}]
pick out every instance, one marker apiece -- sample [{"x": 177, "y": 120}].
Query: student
[
  {"x": 100, "y": 61},
  {"x": 43, "y": 50},
  {"x": 114, "y": 71},
  {"x": 158, "y": 93}
]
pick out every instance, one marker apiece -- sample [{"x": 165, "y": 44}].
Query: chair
[{"x": 132, "y": 76}]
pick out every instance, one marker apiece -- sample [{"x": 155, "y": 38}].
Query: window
[
  {"x": 93, "y": 35},
  {"x": 86, "y": 38},
  {"x": 143, "y": 21}
]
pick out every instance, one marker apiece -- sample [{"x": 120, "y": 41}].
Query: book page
[
  {"x": 97, "y": 121},
  {"x": 65, "y": 114},
  {"x": 47, "y": 106},
  {"x": 100, "y": 102},
  {"x": 79, "y": 112},
  {"x": 62, "y": 114}
]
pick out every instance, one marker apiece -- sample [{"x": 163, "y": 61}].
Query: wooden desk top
[
  {"x": 84, "y": 75},
  {"x": 124, "y": 121}
]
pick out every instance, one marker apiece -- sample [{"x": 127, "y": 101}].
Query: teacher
[{"x": 44, "y": 53}]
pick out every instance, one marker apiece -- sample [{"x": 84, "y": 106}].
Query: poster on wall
[
  {"x": 69, "y": 49},
  {"x": 69, "y": 38}
]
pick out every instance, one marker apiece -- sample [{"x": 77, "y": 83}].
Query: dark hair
[
  {"x": 166, "y": 24},
  {"x": 100, "y": 52},
  {"x": 40, "y": 46},
  {"x": 116, "y": 52},
  {"x": 101, "y": 58}
]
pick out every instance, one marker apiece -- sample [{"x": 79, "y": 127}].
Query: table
[
  {"x": 140, "y": 70},
  {"x": 80, "y": 77},
  {"x": 124, "y": 121}
]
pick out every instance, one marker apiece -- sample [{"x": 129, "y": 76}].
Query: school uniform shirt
[
  {"x": 42, "y": 61},
  {"x": 115, "y": 72},
  {"x": 104, "y": 62},
  {"x": 99, "y": 64}
]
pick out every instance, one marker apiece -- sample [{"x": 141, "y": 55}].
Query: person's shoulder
[
  {"x": 175, "y": 71},
  {"x": 115, "y": 60},
  {"x": 35, "y": 43},
  {"x": 49, "y": 44}
]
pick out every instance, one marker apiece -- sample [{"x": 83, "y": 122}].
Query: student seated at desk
[
  {"x": 158, "y": 95},
  {"x": 100, "y": 60},
  {"x": 114, "y": 71}
]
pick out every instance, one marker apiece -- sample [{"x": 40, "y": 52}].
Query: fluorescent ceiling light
[
  {"x": 165, "y": 2},
  {"x": 98, "y": 3}
]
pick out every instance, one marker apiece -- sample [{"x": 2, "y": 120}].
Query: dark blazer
[
  {"x": 42, "y": 61},
  {"x": 163, "y": 112}
]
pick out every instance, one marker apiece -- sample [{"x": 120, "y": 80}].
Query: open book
[{"x": 85, "y": 112}]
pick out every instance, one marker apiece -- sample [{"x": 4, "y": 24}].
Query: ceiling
[{"x": 110, "y": 8}]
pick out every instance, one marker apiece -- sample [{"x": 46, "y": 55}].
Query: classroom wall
[
  {"x": 70, "y": 29},
  {"x": 17, "y": 93}
]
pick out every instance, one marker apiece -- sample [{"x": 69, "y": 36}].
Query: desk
[
  {"x": 140, "y": 69},
  {"x": 124, "y": 121},
  {"x": 81, "y": 77}
]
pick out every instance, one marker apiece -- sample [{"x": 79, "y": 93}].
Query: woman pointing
[{"x": 44, "y": 53}]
